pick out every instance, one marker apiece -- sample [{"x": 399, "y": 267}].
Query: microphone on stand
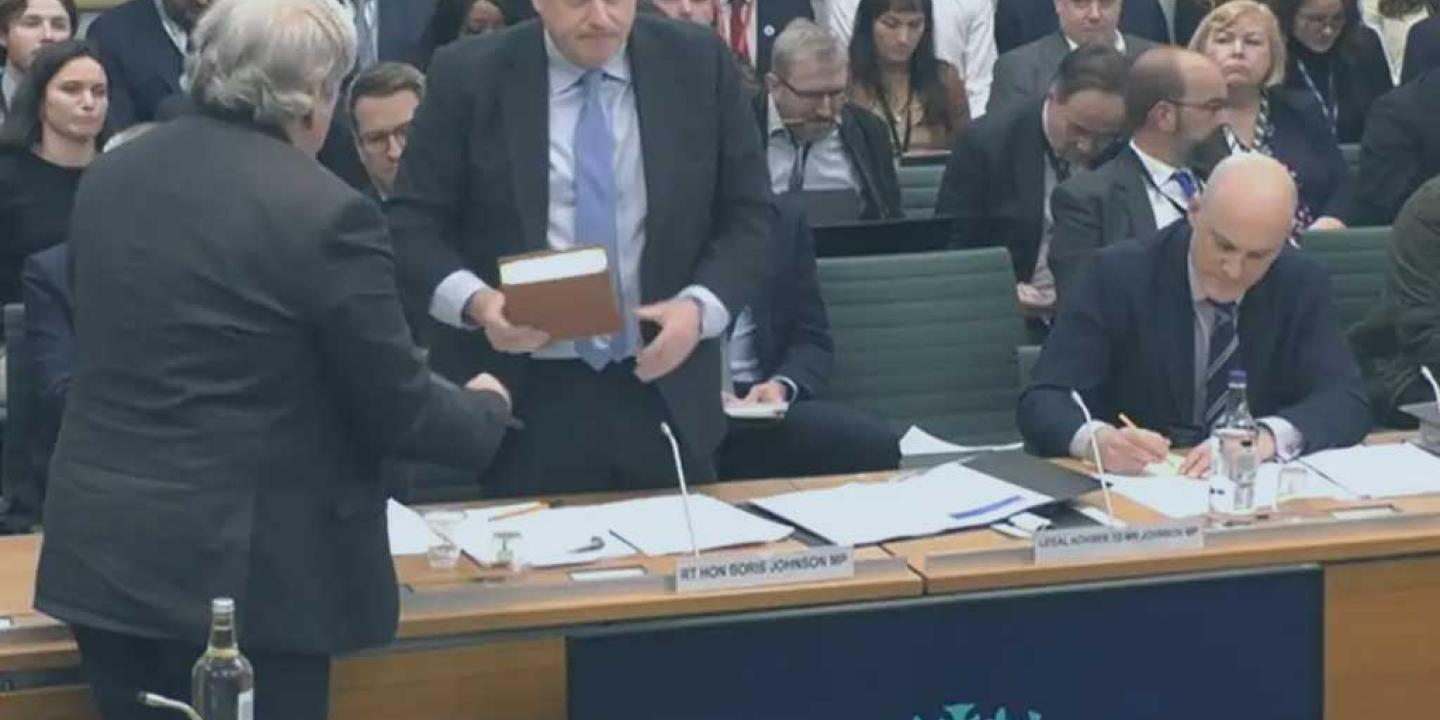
[
  {"x": 1434, "y": 386},
  {"x": 1095, "y": 446},
  {"x": 684, "y": 489},
  {"x": 164, "y": 703}
]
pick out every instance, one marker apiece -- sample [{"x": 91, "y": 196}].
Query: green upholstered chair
[
  {"x": 928, "y": 339},
  {"x": 919, "y": 185},
  {"x": 1359, "y": 263}
]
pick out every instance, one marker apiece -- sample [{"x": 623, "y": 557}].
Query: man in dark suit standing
[
  {"x": 1174, "y": 102},
  {"x": 237, "y": 385},
  {"x": 815, "y": 140},
  {"x": 1154, "y": 329},
  {"x": 1004, "y": 167},
  {"x": 1024, "y": 73},
  {"x": 1400, "y": 149},
  {"x": 142, "y": 45},
  {"x": 591, "y": 127},
  {"x": 1020, "y": 22},
  {"x": 780, "y": 350}
]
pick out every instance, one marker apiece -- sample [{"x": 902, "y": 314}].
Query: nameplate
[
  {"x": 6, "y": 623},
  {"x": 1056, "y": 546},
  {"x": 739, "y": 570}
]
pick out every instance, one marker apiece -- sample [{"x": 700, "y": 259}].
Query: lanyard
[
  {"x": 1332, "y": 108},
  {"x": 1184, "y": 211},
  {"x": 902, "y": 146}
]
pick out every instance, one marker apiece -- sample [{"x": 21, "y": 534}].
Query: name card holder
[{"x": 740, "y": 570}]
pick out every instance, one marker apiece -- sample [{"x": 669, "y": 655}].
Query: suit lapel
[
  {"x": 526, "y": 90},
  {"x": 1030, "y": 180},
  {"x": 1135, "y": 193},
  {"x": 662, "y": 142},
  {"x": 1176, "y": 318},
  {"x": 857, "y": 151}
]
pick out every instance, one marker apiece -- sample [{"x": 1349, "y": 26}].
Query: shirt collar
[
  {"x": 178, "y": 36},
  {"x": 1119, "y": 42},
  {"x": 1160, "y": 171},
  {"x": 565, "y": 74}
]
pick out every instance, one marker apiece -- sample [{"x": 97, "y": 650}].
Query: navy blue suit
[
  {"x": 49, "y": 322},
  {"x": 140, "y": 59},
  {"x": 1304, "y": 142},
  {"x": 1125, "y": 341},
  {"x": 1422, "y": 49},
  {"x": 403, "y": 31},
  {"x": 792, "y": 340},
  {"x": 1020, "y": 22}
]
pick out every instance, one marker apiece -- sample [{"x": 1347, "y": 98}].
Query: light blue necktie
[
  {"x": 595, "y": 203},
  {"x": 367, "y": 52}
]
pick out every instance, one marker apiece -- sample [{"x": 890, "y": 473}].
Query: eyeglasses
[
  {"x": 836, "y": 97},
  {"x": 1323, "y": 22},
  {"x": 1211, "y": 106},
  {"x": 378, "y": 141}
]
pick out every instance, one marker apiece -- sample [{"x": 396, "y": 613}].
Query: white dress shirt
[
  {"x": 566, "y": 97},
  {"x": 8, "y": 85},
  {"x": 827, "y": 167},
  {"x": 1166, "y": 197},
  {"x": 964, "y": 37},
  {"x": 177, "y": 34}
]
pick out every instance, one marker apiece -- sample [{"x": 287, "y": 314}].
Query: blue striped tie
[
  {"x": 1224, "y": 344},
  {"x": 595, "y": 204}
]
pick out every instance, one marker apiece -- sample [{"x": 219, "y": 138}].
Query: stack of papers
[
  {"x": 652, "y": 526},
  {"x": 1177, "y": 496},
  {"x": 1380, "y": 471},
  {"x": 409, "y": 535},
  {"x": 948, "y": 497},
  {"x": 918, "y": 442}
]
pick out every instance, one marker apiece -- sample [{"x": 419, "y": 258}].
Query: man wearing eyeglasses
[
  {"x": 816, "y": 142},
  {"x": 1173, "y": 103},
  {"x": 382, "y": 104}
]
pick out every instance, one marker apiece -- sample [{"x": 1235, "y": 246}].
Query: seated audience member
[
  {"x": 815, "y": 139},
  {"x": 1403, "y": 334},
  {"x": 455, "y": 19},
  {"x": 1422, "y": 49},
  {"x": 1024, "y": 73},
  {"x": 752, "y": 27},
  {"x": 703, "y": 12},
  {"x": 1173, "y": 104},
  {"x": 383, "y": 99},
  {"x": 780, "y": 350},
  {"x": 142, "y": 44},
  {"x": 1392, "y": 21},
  {"x": 964, "y": 32},
  {"x": 894, "y": 74},
  {"x": 1003, "y": 168},
  {"x": 1401, "y": 149},
  {"x": 1339, "y": 62},
  {"x": 54, "y": 131},
  {"x": 25, "y": 27},
  {"x": 1243, "y": 37},
  {"x": 1154, "y": 329},
  {"x": 1020, "y": 22},
  {"x": 1188, "y": 14}
]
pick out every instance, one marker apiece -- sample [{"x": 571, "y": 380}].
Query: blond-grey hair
[
  {"x": 1226, "y": 15},
  {"x": 275, "y": 61},
  {"x": 802, "y": 38}
]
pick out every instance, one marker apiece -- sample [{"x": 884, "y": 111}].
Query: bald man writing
[{"x": 1154, "y": 329}]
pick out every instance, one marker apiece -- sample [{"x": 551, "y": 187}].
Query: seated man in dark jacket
[
  {"x": 1154, "y": 329},
  {"x": 1400, "y": 150},
  {"x": 780, "y": 350}
]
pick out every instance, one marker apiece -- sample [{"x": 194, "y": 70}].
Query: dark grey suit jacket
[
  {"x": 1025, "y": 73},
  {"x": 1095, "y": 209},
  {"x": 474, "y": 187},
  {"x": 242, "y": 365}
]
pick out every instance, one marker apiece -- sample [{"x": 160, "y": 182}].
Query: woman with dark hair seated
[
  {"x": 1335, "y": 59},
  {"x": 54, "y": 129},
  {"x": 894, "y": 73}
]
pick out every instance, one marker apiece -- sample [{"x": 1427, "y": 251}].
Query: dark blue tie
[
  {"x": 1224, "y": 344},
  {"x": 1189, "y": 186},
  {"x": 595, "y": 204}
]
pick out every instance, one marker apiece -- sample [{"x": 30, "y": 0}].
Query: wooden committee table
[{"x": 479, "y": 643}]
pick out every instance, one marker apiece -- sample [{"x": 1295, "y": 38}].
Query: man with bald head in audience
[
  {"x": 1154, "y": 328},
  {"x": 1174, "y": 102}
]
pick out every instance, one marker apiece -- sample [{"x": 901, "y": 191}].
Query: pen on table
[{"x": 534, "y": 507}]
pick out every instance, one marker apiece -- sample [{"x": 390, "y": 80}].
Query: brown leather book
[{"x": 566, "y": 293}]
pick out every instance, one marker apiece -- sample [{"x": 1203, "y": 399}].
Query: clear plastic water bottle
[
  {"x": 223, "y": 683},
  {"x": 1235, "y": 435}
]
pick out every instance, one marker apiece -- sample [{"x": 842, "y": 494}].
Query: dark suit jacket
[
  {"x": 1361, "y": 74},
  {"x": 49, "y": 323},
  {"x": 994, "y": 185},
  {"x": 1422, "y": 49},
  {"x": 771, "y": 18},
  {"x": 141, "y": 61},
  {"x": 1095, "y": 209},
  {"x": 473, "y": 187},
  {"x": 1125, "y": 340},
  {"x": 1025, "y": 73},
  {"x": 792, "y": 330},
  {"x": 1400, "y": 150},
  {"x": 1304, "y": 142},
  {"x": 242, "y": 365},
  {"x": 1020, "y": 22},
  {"x": 403, "y": 26},
  {"x": 867, "y": 144}
]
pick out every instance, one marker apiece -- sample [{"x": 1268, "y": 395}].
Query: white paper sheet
[
  {"x": 656, "y": 526},
  {"x": 757, "y": 411},
  {"x": 409, "y": 535},
  {"x": 548, "y": 538},
  {"x": 916, "y": 441},
  {"x": 1177, "y": 496},
  {"x": 948, "y": 497},
  {"x": 1380, "y": 471}
]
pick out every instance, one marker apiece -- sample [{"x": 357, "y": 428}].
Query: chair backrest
[
  {"x": 928, "y": 339},
  {"x": 1359, "y": 263},
  {"x": 17, "y": 477},
  {"x": 919, "y": 186},
  {"x": 1351, "y": 153}
]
